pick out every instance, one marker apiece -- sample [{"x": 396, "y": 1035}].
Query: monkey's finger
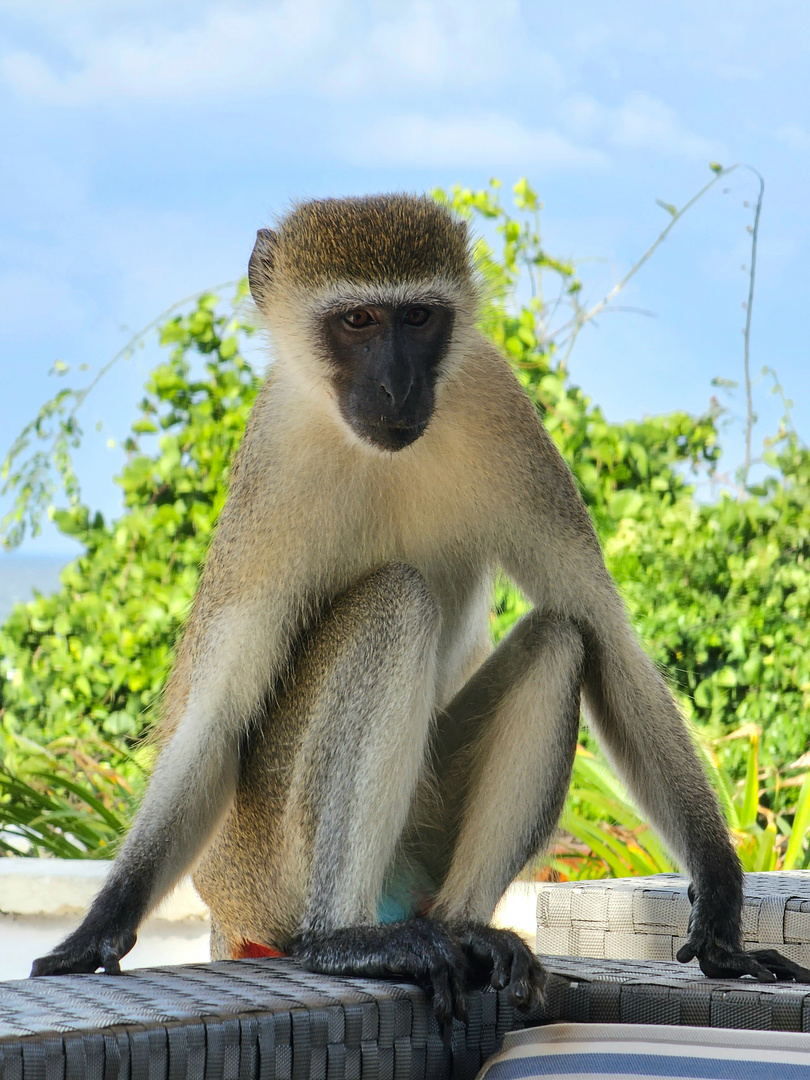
[
  {"x": 519, "y": 992},
  {"x": 111, "y": 965},
  {"x": 442, "y": 998},
  {"x": 686, "y": 953},
  {"x": 501, "y": 971},
  {"x": 459, "y": 972},
  {"x": 732, "y": 965},
  {"x": 528, "y": 983},
  {"x": 780, "y": 966},
  {"x": 46, "y": 965},
  {"x": 489, "y": 957},
  {"x": 461, "y": 1008},
  {"x": 64, "y": 963},
  {"x": 112, "y": 949}
]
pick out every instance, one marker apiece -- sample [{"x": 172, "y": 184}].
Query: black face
[{"x": 385, "y": 362}]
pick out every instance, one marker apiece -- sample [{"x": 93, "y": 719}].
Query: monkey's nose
[{"x": 396, "y": 395}]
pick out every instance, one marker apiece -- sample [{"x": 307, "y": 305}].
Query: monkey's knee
[
  {"x": 401, "y": 585},
  {"x": 393, "y": 603},
  {"x": 555, "y": 642}
]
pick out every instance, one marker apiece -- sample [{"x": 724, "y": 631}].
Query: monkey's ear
[{"x": 260, "y": 267}]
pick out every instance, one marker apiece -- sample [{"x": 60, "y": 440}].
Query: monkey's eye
[
  {"x": 358, "y": 320},
  {"x": 416, "y": 316}
]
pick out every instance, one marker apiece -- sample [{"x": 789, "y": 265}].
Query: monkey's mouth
[{"x": 391, "y": 437}]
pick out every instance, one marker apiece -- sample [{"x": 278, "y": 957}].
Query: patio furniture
[
  {"x": 271, "y": 1020},
  {"x": 647, "y": 917}
]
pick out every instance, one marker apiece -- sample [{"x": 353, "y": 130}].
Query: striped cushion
[{"x": 648, "y": 1051}]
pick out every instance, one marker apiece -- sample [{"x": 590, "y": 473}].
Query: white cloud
[
  {"x": 794, "y": 136},
  {"x": 489, "y": 140},
  {"x": 228, "y": 49},
  {"x": 642, "y": 122}
]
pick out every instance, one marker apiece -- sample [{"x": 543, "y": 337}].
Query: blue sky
[{"x": 144, "y": 143}]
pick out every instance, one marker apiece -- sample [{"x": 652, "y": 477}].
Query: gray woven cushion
[
  {"x": 271, "y": 1020},
  {"x": 239, "y": 1019},
  {"x": 647, "y": 917}
]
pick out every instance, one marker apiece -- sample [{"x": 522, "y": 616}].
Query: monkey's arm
[
  {"x": 638, "y": 722},
  {"x": 561, "y": 569},
  {"x": 222, "y": 674},
  {"x": 191, "y": 788}
]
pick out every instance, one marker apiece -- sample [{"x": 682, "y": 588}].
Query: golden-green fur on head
[{"x": 377, "y": 239}]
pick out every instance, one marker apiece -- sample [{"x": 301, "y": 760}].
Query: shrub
[{"x": 719, "y": 592}]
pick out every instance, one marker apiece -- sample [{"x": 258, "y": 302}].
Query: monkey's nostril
[{"x": 386, "y": 391}]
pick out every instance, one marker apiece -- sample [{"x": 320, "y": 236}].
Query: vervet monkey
[{"x": 341, "y": 747}]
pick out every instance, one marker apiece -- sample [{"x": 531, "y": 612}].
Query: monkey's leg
[
  {"x": 326, "y": 790},
  {"x": 503, "y": 758}
]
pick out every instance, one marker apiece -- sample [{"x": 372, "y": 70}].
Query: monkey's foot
[
  {"x": 84, "y": 952},
  {"x": 766, "y": 965},
  {"x": 420, "y": 949},
  {"x": 504, "y": 958}
]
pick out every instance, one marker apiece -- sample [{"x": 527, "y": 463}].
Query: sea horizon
[{"x": 21, "y": 574}]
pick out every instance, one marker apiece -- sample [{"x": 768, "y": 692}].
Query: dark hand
[
  {"x": 85, "y": 951},
  {"x": 505, "y": 960},
  {"x": 718, "y": 962},
  {"x": 720, "y": 953}
]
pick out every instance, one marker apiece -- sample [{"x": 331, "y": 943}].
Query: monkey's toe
[
  {"x": 418, "y": 949},
  {"x": 504, "y": 958}
]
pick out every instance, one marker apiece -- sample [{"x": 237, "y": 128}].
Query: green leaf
[
  {"x": 801, "y": 823},
  {"x": 750, "y": 804}
]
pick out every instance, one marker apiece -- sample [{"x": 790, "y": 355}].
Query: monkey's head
[{"x": 367, "y": 297}]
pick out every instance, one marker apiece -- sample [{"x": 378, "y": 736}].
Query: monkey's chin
[{"x": 389, "y": 438}]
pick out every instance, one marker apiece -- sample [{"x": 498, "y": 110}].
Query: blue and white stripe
[{"x": 649, "y": 1052}]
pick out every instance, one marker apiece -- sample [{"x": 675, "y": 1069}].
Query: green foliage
[
  {"x": 721, "y": 594},
  {"x": 719, "y": 591},
  {"x": 604, "y": 835},
  {"x": 89, "y": 661},
  {"x": 68, "y": 806}
]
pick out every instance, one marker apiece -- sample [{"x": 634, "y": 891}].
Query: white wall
[{"x": 41, "y": 900}]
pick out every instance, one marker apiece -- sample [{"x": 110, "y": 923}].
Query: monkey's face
[{"x": 384, "y": 361}]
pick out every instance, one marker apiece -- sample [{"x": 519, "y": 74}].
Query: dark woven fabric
[
  {"x": 270, "y": 1020},
  {"x": 242, "y": 1019},
  {"x": 663, "y": 992}
]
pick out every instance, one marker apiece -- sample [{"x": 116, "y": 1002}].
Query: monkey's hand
[
  {"x": 86, "y": 950},
  {"x": 719, "y": 951},
  {"x": 505, "y": 960},
  {"x": 420, "y": 949}
]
